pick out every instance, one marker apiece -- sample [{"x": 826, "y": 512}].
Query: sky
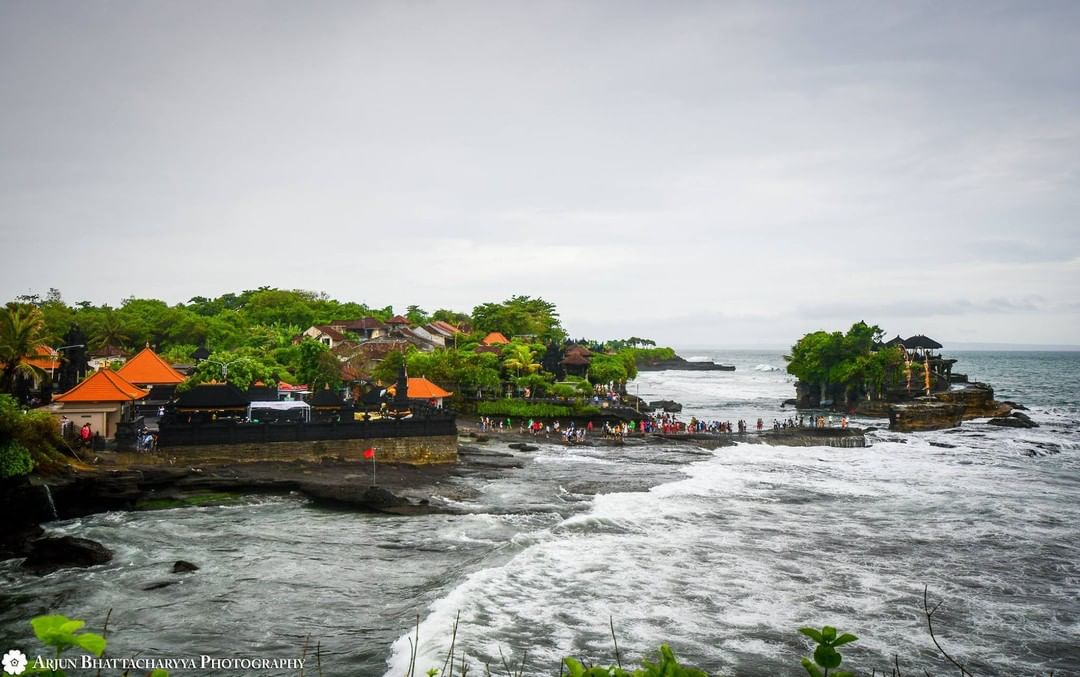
[{"x": 700, "y": 173}]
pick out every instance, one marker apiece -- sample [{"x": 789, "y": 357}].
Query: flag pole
[{"x": 373, "y": 466}]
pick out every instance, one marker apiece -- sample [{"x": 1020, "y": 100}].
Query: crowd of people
[{"x": 666, "y": 424}]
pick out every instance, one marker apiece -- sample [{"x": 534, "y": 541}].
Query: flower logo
[{"x": 14, "y": 662}]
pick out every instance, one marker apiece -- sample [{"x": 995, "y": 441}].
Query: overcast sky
[{"x": 699, "y": 173}]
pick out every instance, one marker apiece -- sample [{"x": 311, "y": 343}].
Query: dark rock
[
  {"x": 50, "y": 554},
  {"x": 1014, "y": 420},
  {"x": 183, "y": 567},
  {"x": 1015, "y": 406},
  {"x": 790, "y": 401},
  {"x": 684, "y": 365},
  {"x": 669, "y": 406},
  {"x": 1024, "y": 417},
  {"x": 977, "y": 399},
  {"x": 845, "y": 438},
  {"x": 943, "y": 445},
  {"x": 378, "y": 498},
  {"x": 159, "y": 585},
  {"x": 925, "y": 414},
  {"x": 521, "y": 446}
]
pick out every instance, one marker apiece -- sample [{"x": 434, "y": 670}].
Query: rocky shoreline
[
  {"x": 680, "y": 363},
  {"x": 400, "y": 489}
]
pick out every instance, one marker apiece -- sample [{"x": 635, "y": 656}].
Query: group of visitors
[
  {"x": 819, "y": 422},
  {"x": 488, "y": 424}
]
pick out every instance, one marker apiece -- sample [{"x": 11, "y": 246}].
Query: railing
[{"x": 189, "y": 434}]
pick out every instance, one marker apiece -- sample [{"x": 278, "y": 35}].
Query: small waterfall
[{"x": 49, "y": 499}]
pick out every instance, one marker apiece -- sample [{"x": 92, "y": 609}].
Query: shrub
[
  {"x": 14, "y": 459},
  {"x": 522, "y": 409}
]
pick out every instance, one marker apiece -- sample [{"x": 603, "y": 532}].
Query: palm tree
[
  {"x": 22, "y": 334},
  {"x": 110, "y": 333},
  {"x": 518, "y": 358}
]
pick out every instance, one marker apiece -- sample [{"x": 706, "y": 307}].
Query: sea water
[{"x": 722, "y": 554}]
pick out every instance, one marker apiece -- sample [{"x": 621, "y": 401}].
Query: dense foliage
[
  {"x": 22, "y": 332},
  {"x": 846, "y": 365},
  {"x": 28, "y": 439},
  {"x": 650, "y": 355},
  {"x": 257, "y": 335},
  {"x": 520, "y": 316}
]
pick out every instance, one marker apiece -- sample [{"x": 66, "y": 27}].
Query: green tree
[
  {"x": 518, "y": 358},
  {"x": 319, "y": 367},
  {"x": 520, "y": 316},
  {"x": 417, "y": 316},
  {"x": 241, "y": 368},
  {"x": 109, "y": 330},
  {"x": 22, "y": 333},
  {"x": 844, "y": 364}
]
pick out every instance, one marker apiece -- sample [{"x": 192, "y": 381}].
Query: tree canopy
[{"x": 846, "y": 363}]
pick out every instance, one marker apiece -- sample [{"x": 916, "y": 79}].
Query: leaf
[
  {"x": 92, "y": 642},
  {"x": 668, "y": 654},
  {"x": 45, "y": 625},
  {"x": 575, "y": 667},
  {"x": 71, "y": 626},
  {"x": 844, "y": 639},
  {"x": 811, "y": 668},
  {"x": 159, "y": 673},
  {"x": 812, "y": 634},
  {"x": 829, "y": 633},
  {"x": 827, "y": 657}
]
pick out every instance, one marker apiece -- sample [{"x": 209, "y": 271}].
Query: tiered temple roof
[
  {"x": 105, "y": 385},
  {"x": 147, "y": 368},
  {"x": 422, "y": 389}
]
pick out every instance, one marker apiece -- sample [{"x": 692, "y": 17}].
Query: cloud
[{"x": 706, "y": 164}]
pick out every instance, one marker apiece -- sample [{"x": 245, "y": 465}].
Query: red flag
[{"x": 369, "y": 452}]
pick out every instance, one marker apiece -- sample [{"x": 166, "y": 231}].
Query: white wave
[{"x": 767, "y": 367}]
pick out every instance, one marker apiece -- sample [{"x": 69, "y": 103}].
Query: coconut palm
[
  {"x": 22, "y": 334},
  {"x": 110, "y": 332},
  {"x": 518, "y": 358}
]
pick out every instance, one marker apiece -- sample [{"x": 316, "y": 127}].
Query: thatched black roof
[
  {"x": 212, "y": 397},
  {"x": 373, "y": 396},
  {"x": 200, "y": 353},
  {"x": 327, "y": 399},
  {"x": 920, "y": 341},
  {"x": 262, "y": 394},
  {"x": 894, "y": 342}
]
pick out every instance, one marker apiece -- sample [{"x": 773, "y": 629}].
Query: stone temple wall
[{"x": 414, "y": 450}]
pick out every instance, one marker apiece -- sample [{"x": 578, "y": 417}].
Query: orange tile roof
[
  {"x": 446, "y": 326},
  {"x": 147, "y": 368},
  {"x": 422, "y": 389},
  {"x": 104, "y": 386},
  {"x": 494, "y": 338},
  {"x": 46, "y": 359},
  {"x": 49, "y": 358}
]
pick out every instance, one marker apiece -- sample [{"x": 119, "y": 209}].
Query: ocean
[{"x": 722, "y": 554}]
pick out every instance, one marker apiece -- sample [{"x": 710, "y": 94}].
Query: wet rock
[
  {"x": 669, "y": 406},
  {"x": 521, "y": 446},
  {"x": 790, "y": 401},
  {"x": 50, "y": 554},
  {"x": 1017, "y": 419},
  {"x": 683, "y": 364},
  {"x": 378, "y": 498},
  {"x": 159, "y": 585},
  {"x": 943, "y": 445},
  {"x": 925, "y": 414},
  {"x": 977, "y": 399},
  {"x": 183, "y": 566}
]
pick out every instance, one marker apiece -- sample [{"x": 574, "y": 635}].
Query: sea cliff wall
[{"x": 414, "y": 450}]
